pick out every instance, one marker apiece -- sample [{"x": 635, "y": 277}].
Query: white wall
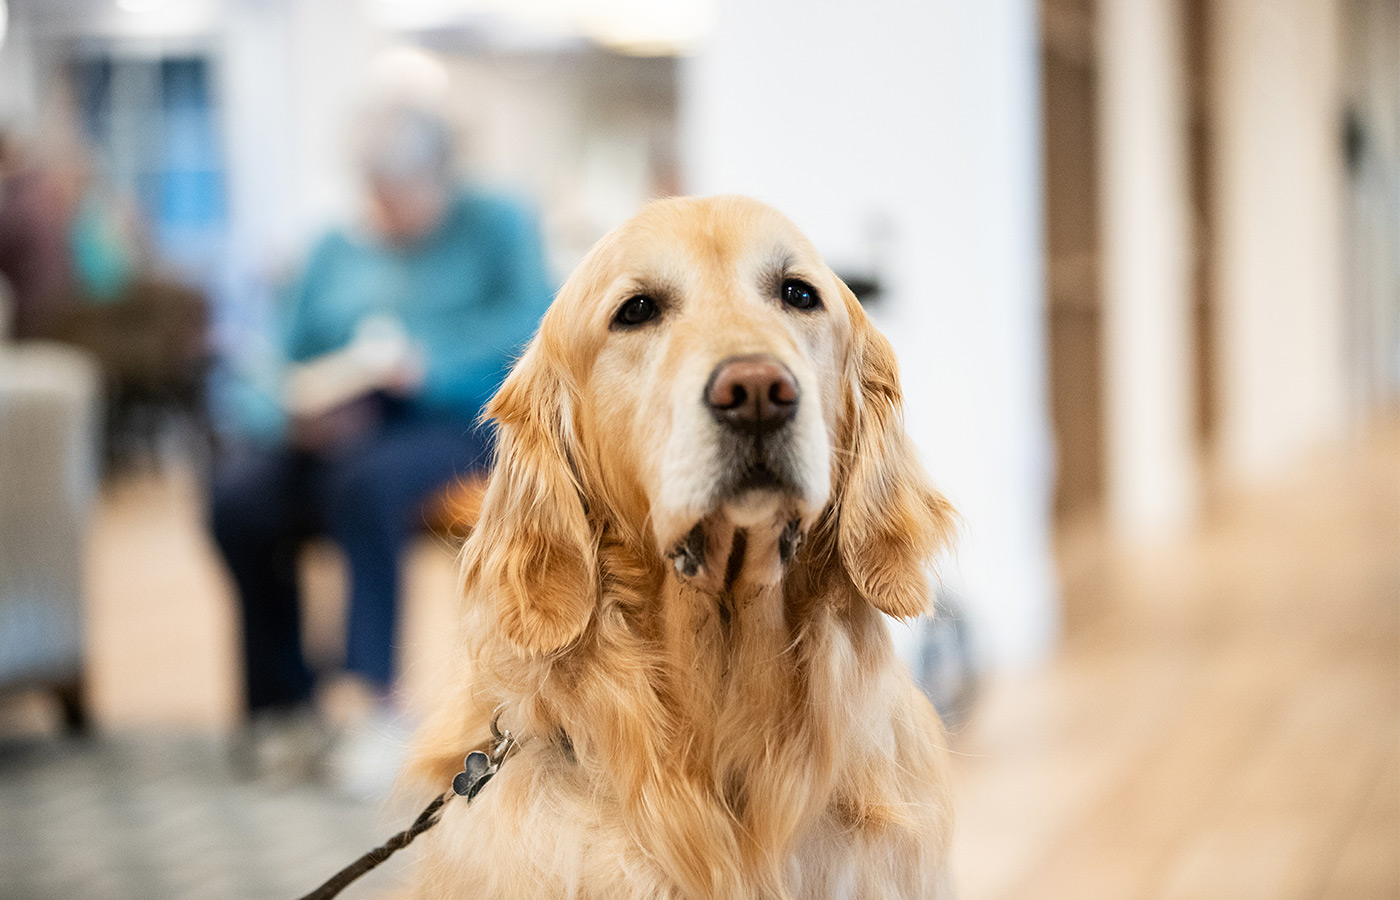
[
  {"x": 1147, "y": 269},
  {"x": 288, "y": 120},
  {"x": 1277, "y": 186},
  {"x": 924, "y": 117}
]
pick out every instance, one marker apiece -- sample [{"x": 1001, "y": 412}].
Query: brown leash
[{"x": 478, "y": 768}]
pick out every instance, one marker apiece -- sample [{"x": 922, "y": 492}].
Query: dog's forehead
[
  {"x": 722, "y": 249},
  {"x": 679, "y": 239}
]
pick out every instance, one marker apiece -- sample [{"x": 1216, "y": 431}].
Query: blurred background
[{"x": 1140, "y": 260}]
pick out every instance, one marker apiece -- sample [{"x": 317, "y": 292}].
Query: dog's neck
[
  {"x": 732, "y": 635},
  {"x": 719, "y": 707},
  {"x": 725, "y": 617},
  {"x": 750, "y": 696}
]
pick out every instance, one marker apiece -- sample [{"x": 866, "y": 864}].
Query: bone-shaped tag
[{"x": 477, "y": 770}]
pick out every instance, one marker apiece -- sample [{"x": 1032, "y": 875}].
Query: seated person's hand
[
  {"x": 405, "y": 378},
  {"x": 335, "y": 398},
  {"x": 379, "y": 358}
]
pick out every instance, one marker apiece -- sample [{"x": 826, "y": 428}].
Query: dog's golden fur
[{"x": 744, "y": 733}]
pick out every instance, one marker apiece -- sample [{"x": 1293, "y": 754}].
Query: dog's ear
[
  {"x": 532, "y": 553},
  {"x": 890, "y": 522}
]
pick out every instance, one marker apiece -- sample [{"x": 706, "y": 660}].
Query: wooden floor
[{"x": 1222, "y": 720}]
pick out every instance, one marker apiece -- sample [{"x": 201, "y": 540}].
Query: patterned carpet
[{"x": 153, "y": 818}]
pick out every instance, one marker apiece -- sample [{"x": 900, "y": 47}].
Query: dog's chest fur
[{"x": 712, "y": 743}]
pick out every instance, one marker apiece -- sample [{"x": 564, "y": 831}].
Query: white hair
[{"x": 404, "y": 144}]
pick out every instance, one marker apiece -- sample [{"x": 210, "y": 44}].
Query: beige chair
[{"x": 48, "y": 486}]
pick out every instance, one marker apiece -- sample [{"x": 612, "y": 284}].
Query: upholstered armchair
[{"x": 48, "y": 485}]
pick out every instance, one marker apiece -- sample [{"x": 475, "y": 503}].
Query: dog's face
[
  {"x": 712, "y": 369},
  {"x": 702, "y": 371}
]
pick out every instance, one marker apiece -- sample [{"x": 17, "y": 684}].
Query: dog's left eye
[
  {"x": 636, "y": 311},
  {"x": 800, "y": 295}
]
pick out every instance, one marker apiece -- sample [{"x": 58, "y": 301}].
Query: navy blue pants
[{"x": 369, "y": 499}]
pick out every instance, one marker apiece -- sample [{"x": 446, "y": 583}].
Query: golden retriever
[{"x": 703, "y": 507}]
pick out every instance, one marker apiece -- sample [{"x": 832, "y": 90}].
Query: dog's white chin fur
[
  {"x": 754, "y": 508},
  {"x": 690, "y": 470},
  {"x": 759, "y": 509}
]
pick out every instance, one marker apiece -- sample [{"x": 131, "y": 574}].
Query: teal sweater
[{"x": 470, "y": 295}]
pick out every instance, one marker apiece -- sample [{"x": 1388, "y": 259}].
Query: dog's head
[{"x": 702, "y": 373}]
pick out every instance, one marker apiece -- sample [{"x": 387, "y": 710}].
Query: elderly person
[{"x": 395, "y": 337}]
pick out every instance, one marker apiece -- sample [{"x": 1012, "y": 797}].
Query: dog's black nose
[{"x": 753, "y": 394}]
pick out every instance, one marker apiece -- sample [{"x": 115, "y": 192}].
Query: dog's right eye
[{"x": 636, "y": 311}]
